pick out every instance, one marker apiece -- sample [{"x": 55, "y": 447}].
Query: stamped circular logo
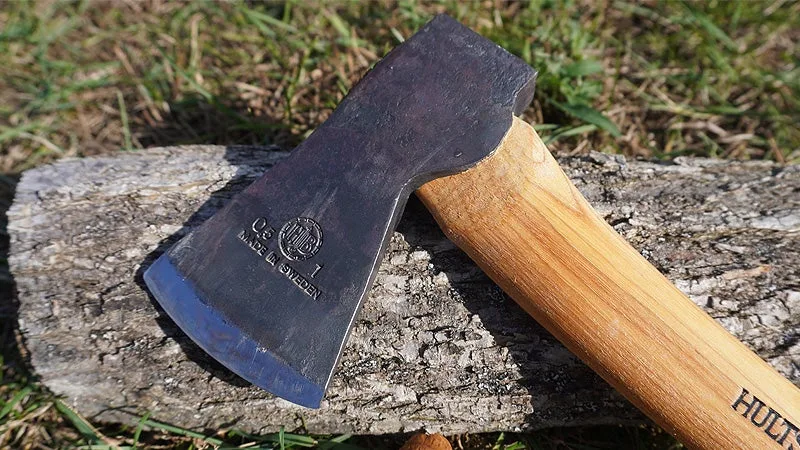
[{"x": 300, "y": 238}]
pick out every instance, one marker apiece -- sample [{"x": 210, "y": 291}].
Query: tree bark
[{"x": 437, "y": 346}]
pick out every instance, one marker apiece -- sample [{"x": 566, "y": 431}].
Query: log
[{"x": 437, "y": 346}]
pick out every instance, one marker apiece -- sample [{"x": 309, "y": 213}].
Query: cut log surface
[{"x": 437, "y": 346}]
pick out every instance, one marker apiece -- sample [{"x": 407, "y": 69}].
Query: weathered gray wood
[{"x": 437, "y": 345}]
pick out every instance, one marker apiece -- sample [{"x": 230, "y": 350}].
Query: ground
[{"x": 652, "y": 79}]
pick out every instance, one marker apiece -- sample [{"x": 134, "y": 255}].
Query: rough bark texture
[{"x": 436, "y": 346}]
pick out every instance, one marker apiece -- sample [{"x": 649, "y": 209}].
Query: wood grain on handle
[{"x": 518, "y": 216}]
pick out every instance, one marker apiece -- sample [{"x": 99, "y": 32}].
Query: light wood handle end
[{"x": 517, "y": 215}]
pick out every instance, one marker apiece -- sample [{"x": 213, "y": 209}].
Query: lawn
[{"x": 659, "y": 80}]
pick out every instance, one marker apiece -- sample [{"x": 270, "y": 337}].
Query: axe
[{"x": 271, "y": 284}]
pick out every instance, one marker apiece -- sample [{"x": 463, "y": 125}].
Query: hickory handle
[{"x": 518, "y": 216}]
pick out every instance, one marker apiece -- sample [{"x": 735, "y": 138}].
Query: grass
[{"x": 652, "y": 79}]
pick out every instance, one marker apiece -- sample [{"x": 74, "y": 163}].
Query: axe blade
[{"x": 271, "y": 284}]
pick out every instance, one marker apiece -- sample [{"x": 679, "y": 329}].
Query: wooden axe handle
[{"x": 517, "y": 215}]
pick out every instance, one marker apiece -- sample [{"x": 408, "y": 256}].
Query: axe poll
[{"x": 271, "y": 284}]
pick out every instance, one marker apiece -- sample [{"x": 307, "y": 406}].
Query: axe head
[{"x": 271, "y": 284}]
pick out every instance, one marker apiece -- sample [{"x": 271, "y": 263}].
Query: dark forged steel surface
[{"x": 270, "y": 285}]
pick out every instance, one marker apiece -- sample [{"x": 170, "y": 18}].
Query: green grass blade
[
  {"x": 590, "y": 115},
  {"x": 139, "y": 427},
  {"x": 103, "y": 447},
  {"x": 7, "y": 133},
  {"x": 338, "y": 443},
  {"x": 710, "y": 27},
  {"x": 290, "y": 439},
  {"x": 516, "y": 446},
  {"x": 572, "y": 131},
  {"x": 338, "y": 24},
  {"x": 265, "y": 30},
  {"x": 123, "y": 116},
  {"x": 18, "y": 397},
  {"x": 277, "y": 23},
  {"x": 582, "y": 68},
  {"x": 183, "y": 432},
  {"x": 84, "y": 428},
  {"x": 544, "y": 126}
]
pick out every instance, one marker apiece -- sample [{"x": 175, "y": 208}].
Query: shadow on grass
[{"x": 199, "y": 120}]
